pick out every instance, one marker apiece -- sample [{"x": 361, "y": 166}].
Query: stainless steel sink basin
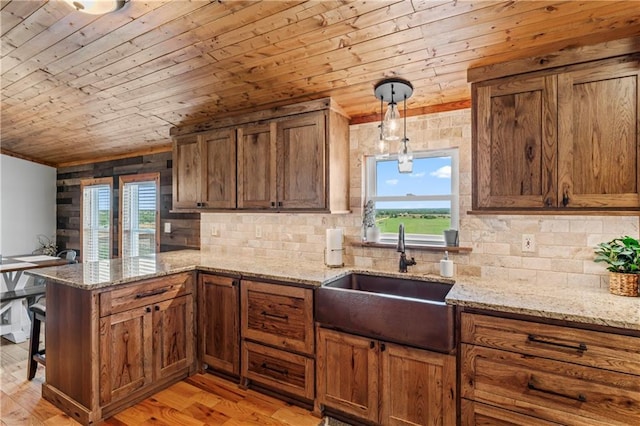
[{"x": 400, "y": 310}]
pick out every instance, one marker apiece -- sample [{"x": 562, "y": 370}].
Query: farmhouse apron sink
[{"x": 400, "y": 310}]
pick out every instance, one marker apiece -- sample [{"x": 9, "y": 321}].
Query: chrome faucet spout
[{"x": 400, "y": 247}]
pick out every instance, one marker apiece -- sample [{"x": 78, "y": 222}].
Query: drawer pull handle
[
  {"x": 282, "y": 371},
  {"x": 151, "y": 293},
  {"x": 279, "y": 316},
  {"x": 580, "y": 347},
  {"x": 580, "y": 397}
]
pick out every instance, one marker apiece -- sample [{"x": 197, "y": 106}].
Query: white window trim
[{"x": 454, "y": 197}]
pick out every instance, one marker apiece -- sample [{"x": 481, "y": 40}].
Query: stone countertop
[
  {"x": 107, "y": 273},
  {"x": 588, "y": 304}
]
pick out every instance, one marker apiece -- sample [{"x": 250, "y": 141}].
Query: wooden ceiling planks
[{"x": 76, "y": 88}]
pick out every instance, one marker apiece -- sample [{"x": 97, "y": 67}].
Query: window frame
[
  {"x": 143, "y": 177},
  {"x": 84, "y": 183},
  {"x": 370, "y": 175}
]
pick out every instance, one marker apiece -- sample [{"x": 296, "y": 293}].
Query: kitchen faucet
[{"x": 403, "y": 258}]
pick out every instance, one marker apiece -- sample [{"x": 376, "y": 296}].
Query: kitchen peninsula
[{"x": 150, "y": 302}]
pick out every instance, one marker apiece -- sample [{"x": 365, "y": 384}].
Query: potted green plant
[{"x": 623, "y": 257}]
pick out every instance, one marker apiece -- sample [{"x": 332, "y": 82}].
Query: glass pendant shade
[
  {"x": 391, "y": 125},
  {"x": 96, "y": 7},
  {"x": 382, "y": 148},
  {"x": 405, "y": 157}
]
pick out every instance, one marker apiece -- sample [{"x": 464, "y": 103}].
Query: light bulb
[{"x": 391, "y": 127}]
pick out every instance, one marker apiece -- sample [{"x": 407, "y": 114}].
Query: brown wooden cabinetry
[
  {"x": 219, "y": 318},
  {"x": 290, "y": 158},
  {"x": 278, "y": 343},
  {"x": 384, "y": 382},
  {"x": 146, "y": 335},
  {"x": 111, "y": 347},
  {"x": 204, "y": 170},
  {"x": 532, "y": 372},
  {"x": 559, "y": 139}
]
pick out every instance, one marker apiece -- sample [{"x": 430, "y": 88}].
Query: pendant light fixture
[
  {"x": 96, "y": 7},
  {"x": 383, "y": 144},
  {"x": 389, "y": 90}
]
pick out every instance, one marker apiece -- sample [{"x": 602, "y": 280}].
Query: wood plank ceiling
[{"x": 78, "y": 87}]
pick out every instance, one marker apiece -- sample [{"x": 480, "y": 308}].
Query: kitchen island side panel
[{"x": 71, "y": 334}]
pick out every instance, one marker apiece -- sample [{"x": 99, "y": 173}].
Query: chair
[{"x": 36, "y": 355}]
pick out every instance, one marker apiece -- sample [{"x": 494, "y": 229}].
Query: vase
[
  {"x": 373, "y": 234},
  {"x": 623, "y": 284}
]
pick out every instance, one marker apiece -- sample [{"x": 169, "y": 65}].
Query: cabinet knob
[
  {"x": 547, "y": 202},
  {"x": 372, "y": 344},
  {"x": 279, "y": 203},
  {"x": 383, "y": 347},
  {"x": 565, "y": 198},
  {"x": 235, "y": 283},
  {"x": 157, "y": 308},
  {"x": 148, "y": 309},
  {"x": 273, "y": 204}
]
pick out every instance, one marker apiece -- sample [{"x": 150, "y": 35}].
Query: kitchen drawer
[
  {"x": 280, "y": 370},
  {"x": 548, "y": 389},
  {"x": 125, "y": 297},
  {"x": 476, "y": 413},
  {"x": 278, "y": 315},
  {"x": 591, "y": 348}
]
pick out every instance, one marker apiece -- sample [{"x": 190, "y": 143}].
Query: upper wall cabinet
[
  {"x": 293, "y": 158},
  {"x": 204, "y": 172},
  {"x": 561, "y": 139}
]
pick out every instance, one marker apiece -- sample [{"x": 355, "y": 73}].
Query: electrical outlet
[
  {"x": 528, "y": 243},
  {"x": 258, "y": 231},
  {"x": 167, "y": 227},
  {"x": 214, "y": 231}
]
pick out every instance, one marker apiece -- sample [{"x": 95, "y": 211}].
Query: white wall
[{"x": 27, "y": 204}]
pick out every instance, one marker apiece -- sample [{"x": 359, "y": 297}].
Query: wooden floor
[{"x": 202, "y": 399}]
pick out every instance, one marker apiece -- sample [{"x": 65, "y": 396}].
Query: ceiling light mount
[
  {"x": 96, "y": 7},
  {"x": 393, "y": 89}
]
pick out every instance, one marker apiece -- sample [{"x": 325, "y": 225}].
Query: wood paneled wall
[{"x": 185, "y": 227}]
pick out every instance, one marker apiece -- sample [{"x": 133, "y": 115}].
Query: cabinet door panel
[
  {"x": 515, "y": 143},
  {"x": 219, "y": 323},
  {"x": 187, "y": 181},
  {"x": 256, "y": 166},
  {"x": 125, "y": 353},
  {"x": 219, "y": 169},
  {"x": 173, "y": 335},
  {"x": 347, "y": 373},
  {"x": 418, "y": 387},
  {"x": 599, "y": 136},
  {"x": 301, "y": 161}
]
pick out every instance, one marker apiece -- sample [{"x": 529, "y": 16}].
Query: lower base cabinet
[{"x": 383, "y": 382}]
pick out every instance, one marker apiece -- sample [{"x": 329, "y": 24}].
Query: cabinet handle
[
  {"x": 282, "y": 371},
  {"x": 279, "y": 316},
  {"x": 157, "y": 308},
  {"x": 372, "y": 344},
  {"x": 235, "y": 283},
  {"x": 580, "y": 347},
  {"x": 151, "y": 293},
  {"x": 565, "y": 198},
  {"x": 382, "y": 347},
  {"x": 580, "y": 397},
  {"x": 148, "y": 309},
  {"x": 273, "y": 204},
  {"x": 279, "y": 203}
]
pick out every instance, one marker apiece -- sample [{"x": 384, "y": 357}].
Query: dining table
[{"x": 17, "y": 290}]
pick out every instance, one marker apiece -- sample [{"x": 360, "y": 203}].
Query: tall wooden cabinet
[
  {"x": 384, "y": 382},
  {"x": 559, "y": 139},
  {"x": 219, "y": 322},
  {"x": 291, "y": 158}
]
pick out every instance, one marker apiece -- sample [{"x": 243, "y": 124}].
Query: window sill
[{"x": 450, "y": 249}]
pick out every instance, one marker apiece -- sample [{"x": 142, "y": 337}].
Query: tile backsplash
[{"x": 563, "y": 249}]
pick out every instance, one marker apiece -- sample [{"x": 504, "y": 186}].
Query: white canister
[{"x": 446, "y": 266}]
